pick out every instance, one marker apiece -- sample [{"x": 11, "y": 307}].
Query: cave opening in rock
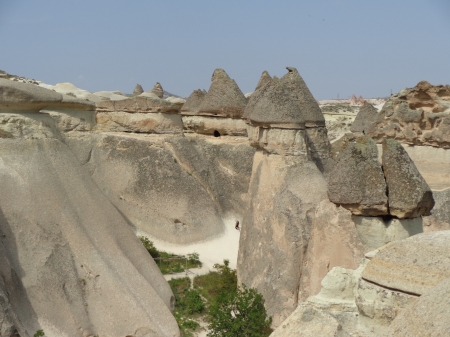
[{"x": 216, "y": 133}]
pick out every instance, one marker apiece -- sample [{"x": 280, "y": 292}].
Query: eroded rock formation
[
  {"x": 367, "y": 115},
  {"x": 157, "y": 90},
  {"x": 419, "y": 116},
  {"x": 138, "y": 90}
]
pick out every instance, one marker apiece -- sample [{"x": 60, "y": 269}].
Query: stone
[
  {"x": 193, "y": 102},
  {"x": 414, "y": 265},
  {"x": 356, "y": 181},
  {"x": 376, "y": 232},
  {"x": 157, "y": 90},
  {"x": 409, "y": 194},
  {"x": 176, "y": 100},
  {"x": 224, "y": 98},
  {"x": 140, "y": 104},
  {"x": 110, "y": 95},
  {"x": 283, "y": 194},
  {"x": 367, "y": 115},
  {"x": 138, "y": 90},
  {"x": 119, "y": 121},
  {"x": 427, "y": 317},
  {"x": 300, "y": 93},
  {"x": 215, "y": 126},
  {"x": 416, "y": 116},
  {"x": 265, "y": 78}
]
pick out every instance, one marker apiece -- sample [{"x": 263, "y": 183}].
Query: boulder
[
  {"x": 414, "y": 265},
  {"x": 356, "y": 181},
  {"x": 367, "y": 115},
  {"x": 427, "y": 317},
  {"x": 302, "y": 96},
  {"x": 418, "y": 115},
  {"x": 192, "y": 104},
  {"x": 157, "y": 90},
  {"x": 409, "y": 194},
  {"x": 138, "y": 90},
  {"x": 224, "y": 98}
]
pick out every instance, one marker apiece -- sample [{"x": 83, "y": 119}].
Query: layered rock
[
  {"x": 157, "y": 90},
  {"x": 419, "y": 116},
  {"x": 66, "y": 253},
  {"x": 409, "y": 194},
  {"x": 138, "y": 90},
  {"x": 217, "y": 112},
  {"x": 357, "y": 181},
  {"x": 367, "y": 115},
  {"x": 316, "y": 132},
  {"x": 139, "y": 114}
]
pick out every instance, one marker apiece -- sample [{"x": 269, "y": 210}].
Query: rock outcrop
[
  {"x": 193, "y": 102},
  {"x": 138, "y": 90},
  {"x": 265, "y": 78},
  {"x": 419, "y": 116},
  {"x": 66, "y": 253},
  {"x": 316, "y": 132},
  {"x": 409, "y": 194},
  {"x": 224, "y": 98},
  {"x": 157, "y": 90},
  {"x": 357, "y": 181},
  {"x": 366, "y": 116}
]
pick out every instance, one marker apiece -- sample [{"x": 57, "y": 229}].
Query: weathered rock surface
[
  {"x": 366, "y": 116},
  {"x": 70, "y": 252},
  {"x": 356, "y": 181},
  {"x": 419, "y": 115},
  {"x": 192, "y": 104},
  {"x": 302, "y": 96},
  {"x": 440, "y": 214},
  {"x": 215, "y": 126},
  {"x": 138, "y": 90},
  {"x": 177, "y": 189},
  {"x": 276, "y": 229},
  {"x": 176, "y": 100},
  {"x": 119, "y": 121},
  {"x": 409, "y": 194},
  {"x": 139, "y": 103},
  {"x": 414, "y": 265},
  {"x": 224, "y": 98},
  {"x": 157, "y": 90},
  {"x": 427, "y": 317},
  {"x": 265, "y": 78}
]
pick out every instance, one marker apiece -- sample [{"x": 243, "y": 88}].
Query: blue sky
[{"x": 345, "y": 47}]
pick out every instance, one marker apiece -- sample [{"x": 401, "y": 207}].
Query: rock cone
[
  {"x": 158, "y": 90},
  {"x": 356, "y": 181},
  {"x": 192, "y": 104},
  {"x": 301, "y": 94},
  {"x": 224, "y": 98},
  {"x": 265, "y": 78},
  {"x": 367, "y": 116},
  {"x": 409, "y": 194},
  {"x": 138, "y": 90}
]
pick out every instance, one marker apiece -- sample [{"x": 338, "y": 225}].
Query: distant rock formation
[
  {"x": 224, "y": 98},
  {"x": 265, "y": 78},
  {"x": 138, "y": 90},
  {"x": 358, "y": 183},
  {"x": 193, "y": 102},
  {"x": 157, "y": 90},
  {"x": 419, "y": 116},
  {"x": 367, "y": 115}
]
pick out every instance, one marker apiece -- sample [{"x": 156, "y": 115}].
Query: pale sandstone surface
[
  {"x": 427, "y": 317},
  {"x": 224, "y": 98},
  {"x": 356, "y": 181},
  {"x": 419, "y": 116},
  {"x": 77, "y": 255},
  {"x": 178, "y": 189},
  {"x": 139, "y": 103},
  {"x": 110, "y": 95},
  {"x": 409, "y": 194},
  {"x": 120, "y": 121},
  {"x": 283, "y": 194},
  {"x": 413, "y": 265},
  {"x": 207, "y": 125}
]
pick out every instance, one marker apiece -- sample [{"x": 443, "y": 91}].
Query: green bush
[
  {"x": 239, "y": 313},
  {"x": 149, "y": 246},
  {"x": 39, "y": 333}
]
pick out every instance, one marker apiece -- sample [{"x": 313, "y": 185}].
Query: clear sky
[{"x": 345, "y": 47}]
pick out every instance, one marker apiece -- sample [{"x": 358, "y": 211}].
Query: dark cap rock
[
  {"x": 265, "y": 78},
  {"x": 300, "y": 93},
  {"x": 224, "y": 98},
  {"x": 192, "y": 104},
  {"x": 366, "y": 117}
]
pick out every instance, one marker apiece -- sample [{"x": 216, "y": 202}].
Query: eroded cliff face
[{"x": 178, "y": 189}]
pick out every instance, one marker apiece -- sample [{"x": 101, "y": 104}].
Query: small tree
[{"x": 239, "y": 313}]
